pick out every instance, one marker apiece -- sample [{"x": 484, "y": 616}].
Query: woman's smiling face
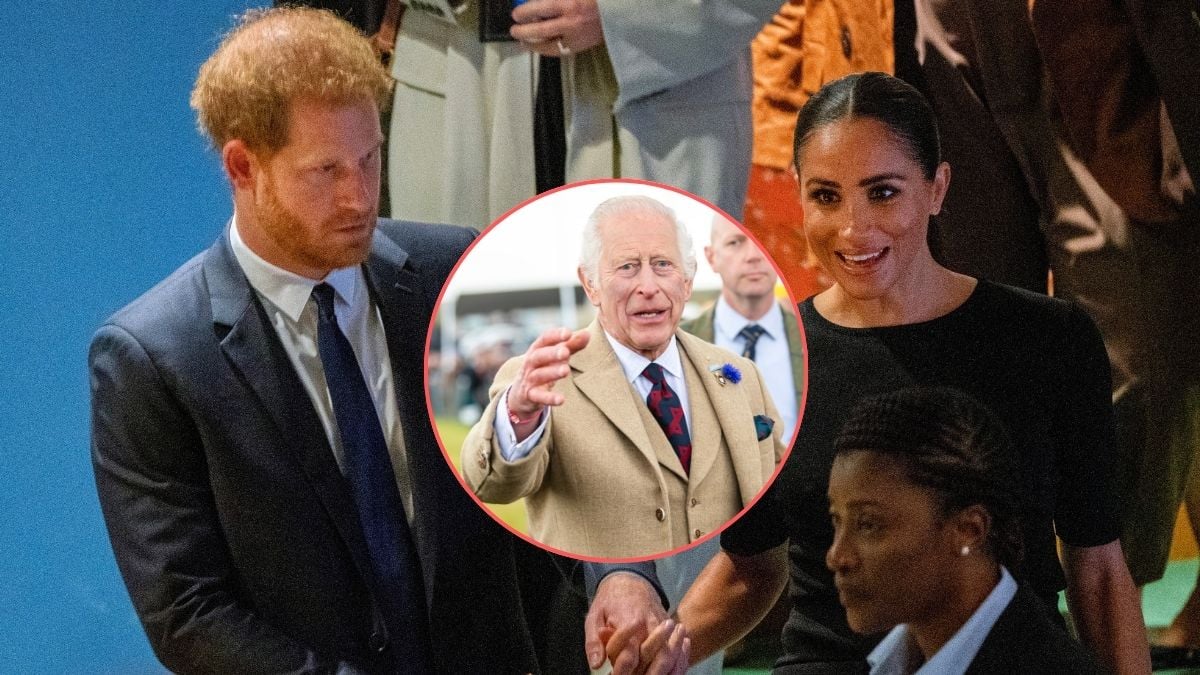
[{"x": 867, "y": 204}]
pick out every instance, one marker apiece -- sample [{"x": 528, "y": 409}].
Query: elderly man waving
[{"x": 628, "y": 438}]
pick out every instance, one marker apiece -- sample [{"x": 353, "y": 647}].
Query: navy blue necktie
[
  {"x": 750, "y": 333},
  {"x": 368, "y": 469},
  {"x": 667, "y": 410}
]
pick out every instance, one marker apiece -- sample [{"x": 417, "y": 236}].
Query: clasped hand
[{"x": 627, "y": 625}]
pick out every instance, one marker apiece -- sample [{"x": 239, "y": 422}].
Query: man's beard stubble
[{"x": 306, "y": 244}]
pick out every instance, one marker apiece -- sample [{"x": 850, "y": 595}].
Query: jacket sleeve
[
  {"x": 491, "y": 477},
  {"x": 594, "y": 573},
  {"x": 656, "y": 46},
  {"x": 156, "y": 499}
]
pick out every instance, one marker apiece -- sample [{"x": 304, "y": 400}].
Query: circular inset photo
[{"x": 615, "y": 370}]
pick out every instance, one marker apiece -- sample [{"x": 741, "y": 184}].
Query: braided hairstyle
[{"x": 950, "y": 444}]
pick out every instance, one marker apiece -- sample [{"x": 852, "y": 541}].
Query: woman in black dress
[{"x": 871, "y": 180}]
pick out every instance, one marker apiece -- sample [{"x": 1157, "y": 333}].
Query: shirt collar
[
  {"x": 893, "y": 653},
  {"x": 633, "y": 363},
  {"x": 898, "y": 649},
  {"x": 287, "y": 290},
  {"x": 729, "y": 322}
]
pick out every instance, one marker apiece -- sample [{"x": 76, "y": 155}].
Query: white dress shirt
[
  {"x": 898, "y": 648},
  {"x": 771, "y": 355},
  {"x": 632, "y": 365},
  {"x": 286, "y": 297}
]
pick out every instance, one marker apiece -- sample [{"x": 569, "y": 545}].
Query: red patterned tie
[{"x": 668, "y": 411}]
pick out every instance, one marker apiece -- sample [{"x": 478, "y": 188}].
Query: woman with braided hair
[{"x": 925, "y": 504}]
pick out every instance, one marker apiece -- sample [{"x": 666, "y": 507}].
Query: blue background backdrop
[{"x": 105, "y": 187}]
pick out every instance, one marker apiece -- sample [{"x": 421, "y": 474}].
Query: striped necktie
[{"x": 750, "y": 333}]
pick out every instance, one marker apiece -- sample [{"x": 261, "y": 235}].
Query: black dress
[{"x": 1037, "y": 362}]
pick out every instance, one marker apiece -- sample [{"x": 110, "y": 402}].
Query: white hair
[{"x": 589, "y": 256}]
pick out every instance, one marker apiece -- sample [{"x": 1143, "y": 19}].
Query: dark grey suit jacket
[{"x": 232, "y": 526}]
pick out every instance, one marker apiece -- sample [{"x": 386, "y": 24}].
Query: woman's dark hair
[
  {"x": 948, "y": 443},
  {"x": 878, "y": 96}
]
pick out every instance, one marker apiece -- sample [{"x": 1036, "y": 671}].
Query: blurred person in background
[{"x": 656, "y": 91}]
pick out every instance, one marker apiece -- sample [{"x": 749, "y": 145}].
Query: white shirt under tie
[
  {"x": 772, "y": 355},
  {"x": 286, "y": 297}
]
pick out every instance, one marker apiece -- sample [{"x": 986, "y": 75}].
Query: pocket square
[{"x": 763, "y": 426}]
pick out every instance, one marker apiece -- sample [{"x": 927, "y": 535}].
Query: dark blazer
[
  {"x": 1025, "y": 640},
  {"x": 232, "y": 526}
]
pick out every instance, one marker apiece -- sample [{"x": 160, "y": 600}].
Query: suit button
[
  {"x": 847, "y": 49},
  {"x": 698, "y": 533},
  {"x": 694, "y": 501},
  {"x": 660, "y": 515},
  {"x": 379, "y": 642}
]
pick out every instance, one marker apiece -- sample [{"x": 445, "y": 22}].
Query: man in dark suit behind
[{"x": 265, "y": 464}]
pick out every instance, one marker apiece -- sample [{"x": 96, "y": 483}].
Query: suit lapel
[
  {"x": 704, "y": 326},
  {"x": 734, "y": 421},
  {"x": 254, "y": 350},
  {"x": 706, "y": 431},
  {"x": 599, "y": 377},
  {"x": 394, "y": 283}
]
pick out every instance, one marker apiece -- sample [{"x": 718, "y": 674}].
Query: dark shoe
[{"x": 1166, "y": 658}]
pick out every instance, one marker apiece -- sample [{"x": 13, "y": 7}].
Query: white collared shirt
[
  {"x": 771, "y": 355},
  {"x": 893, "y": 654},
  {"x": 632, "y": 365},
  {"x": 286, "y": 297}
]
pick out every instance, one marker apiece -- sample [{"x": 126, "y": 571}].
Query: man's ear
[
  {"x": 241, "y": 164},
  {"x": 591, "y": 292}
]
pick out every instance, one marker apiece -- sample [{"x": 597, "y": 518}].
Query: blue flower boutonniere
[{"x": 726, "y": 373}]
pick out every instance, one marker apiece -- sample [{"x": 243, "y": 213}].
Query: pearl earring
[{"x": 965, "y": 551}]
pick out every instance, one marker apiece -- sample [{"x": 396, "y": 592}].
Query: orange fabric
[
  {"x": 774, "y": 216},
  {"x": 804, "y": 46},
  {"x": 1183, "y": 545}
]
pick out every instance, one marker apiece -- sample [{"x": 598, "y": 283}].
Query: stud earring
[{"x": 965, "y": 551}]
